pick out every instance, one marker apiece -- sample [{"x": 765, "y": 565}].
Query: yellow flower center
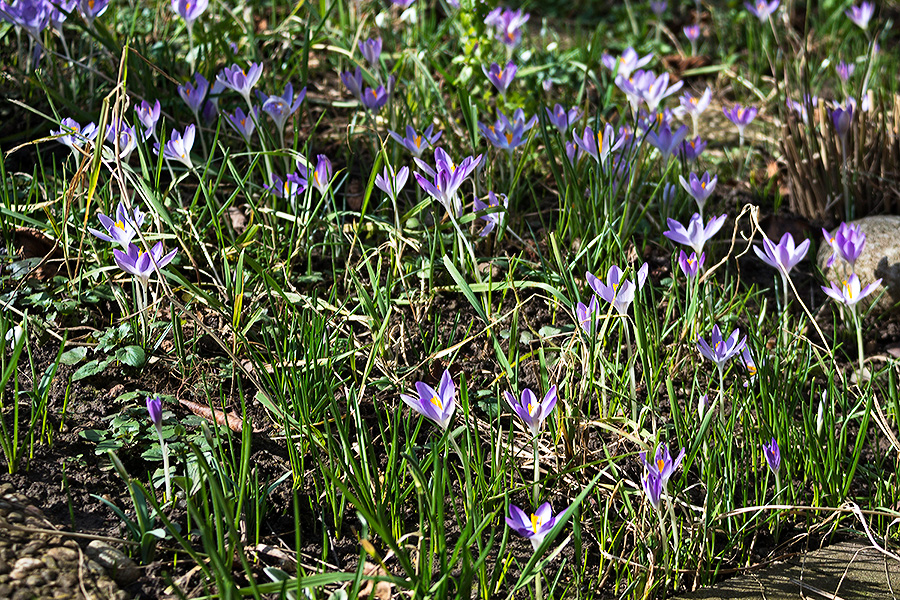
[
  {"x": 847, "y": 290},
  {"x": 500, "y": 74},
  {"x": 535, "y": 522},
  {"x": 418, "y": 141},
  {"x": 437, "y": 402},
  {"x": 660, "y": 463},
  {"x": 702, "y": 183},
  {"x": 751, "y": 369},
  {"x": 120, "y": 225},
  {"x": 509, "y": 137}
]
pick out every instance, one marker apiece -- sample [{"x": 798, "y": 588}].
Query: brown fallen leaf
[
  {"x": 231, "y": 421},
  {"x": 32, "y": 243},
  {"x": 382, "y": 589}
]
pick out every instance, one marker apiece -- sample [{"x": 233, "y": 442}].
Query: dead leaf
[
  {"x": 31, "y": 243},
  {"x": 238, "y": 218},
  {"x": 233, "y": 422},
  {"x": 383, "y": 589}
]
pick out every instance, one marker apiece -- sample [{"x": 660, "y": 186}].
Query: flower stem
[
  {"x": 470, "y": 498},
  {"x": 631, "y": 379},
  {"x": 165, "y": 457},
  {"x": 857, "y": 321},
  {"x": 537, "y": 474},
  {"x": 721, "y": 399}
]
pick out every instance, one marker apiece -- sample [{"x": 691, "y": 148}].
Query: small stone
[
  {"x": 5, "y": 590},
  {"x": 49, "y": 562},
  {"x": 31, "y": 549},
  {"x": 15, "y": 517},
  {"x": 62, "y": 554},
  {"x": 121, "y": 568},
  {"x": 23, "y": 565},
  {"x": 880, "y": 259},
  {"x": 34, "y": 581}
]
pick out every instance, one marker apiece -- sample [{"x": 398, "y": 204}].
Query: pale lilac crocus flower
[
  {"x": 390, "y": 182},
  {"x": 692, "y": 149},
  {"x": 437, "y": 405},
  {"x": 690, "y": 265},
  {"x": 505, "y": 134},
  {"x": 652, "y": 484},
  {"x": 447, "y": 177},
  {"x": 562, "y": 119},
  {"x": 532, "y": 412},
  {"x": 189, "y": 10},
  {"x": 289, "y": 189},
  {"x": 627, "y": 63},
  {"x": 773, "y": 456},
  {"x": 239, "y": 80},
  {"x": 178, "y": 147},
  {"x": 663, "y": 464},
  {"x": 142, "y": 264},
  {"x": 243, "y": 123},
  {"x": 122, "y": 134},
  {"x": 741, "y": 117},
  {"x": 123, "y": 229},
  {"x": 280, "y": 108},
  {"x": 785, "y": 255},
  {"x": 845, "y": 71},
  {"x": 695, "y": 234},
  {"x": 692, "y": 33},
  {"x": 761, "y": 9},
  {"x": 494, "y": 218},
  {"x": 534, "y": 527},
  {"x": 73, "y": 135},
  {"x": 599, "y": 146},
  {"x": 501, "y": 77},
  {"x": 371, "y": 50},
  {"x": 720, "y": 350},
  {"x": 667, "y": 141},
  {"x": 507, "y": 24},
  {"x": 353, "y": 81},
  {"x": 374, "y": 99},
  {"x": 700, "y": 188},
  {"x": 616, "y": 290},
  {"x": 91, "y": 9},
  {"x": 414, "y": 142},
  {"x": 588, "y": 316},
  {"x": 861, "y": 15},
  {"x": 148, "y": 115},
  {"x": 849, "y": 291},
  {"x": 659, "y": 89},
  {"x": 193, "y": 95},
  {"x": 847, "y": 243},
  {"x": 695, "y": 107},
  {"x": 321, "y": 175}
]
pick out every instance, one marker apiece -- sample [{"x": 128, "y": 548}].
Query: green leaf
[
  {"x": 92, "y": 368},
  {"x": 132, "y": 356},
  {"x": 73, "y": 356}
]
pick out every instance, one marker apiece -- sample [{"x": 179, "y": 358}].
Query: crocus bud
[{"x": 154, "y": 407}]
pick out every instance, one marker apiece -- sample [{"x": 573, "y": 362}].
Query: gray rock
[
  {"x": 879, "y": 259},
  {"x": 120, "y": 567}
]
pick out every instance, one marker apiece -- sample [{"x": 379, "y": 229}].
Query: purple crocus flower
[
  {"x": 658, "y": 7},
  {"x": 240, "y": 80},
  {"x": 598, "y": 146},
  {"x": 695, "y": 234},
  {"x": 532, "y": 412},
  {"x": 847, "y": 243},
  {"x": 562, "y": 119},
  {"x": 691, "y": 32},
  {"x": 321, "y": 175},
  {"x": 667, "y": 141},
  {"x": 193, "y": 95},
  {"x": 761, "y": 9},
  {"x": 653, "y": 487},
  {"x": 414, "y": 142},
  {"x": 618, "y": 291},
  {"x": 849, "y": 291},
  {"x": 447, "y": 178},
  {"x": 627, "y": 63},
  {"x": 692, "y": 149},
  {"x": 748, "y": 361},
  {"x": 243, "y": 123},
  {"x": 861, "y": 15},
  {"x": 633, "y": 87},
  {"x": 91, "y": 9},
  {"x": 154, "y": 407},
  {"x": 494, "y": 218},
  {"x": 438, "y": 405},
  {"x": 700, "y": 188},
  {"x": 32, "y": 16},
  {"x": 501, "y": 77},
  {"x": 280, "y": 108},
  {"x": 690, "y": 265},
  {"x": 142, "y": 264},
  {"x": 353, "y": 81},
  {"x": 741, "y": 117},
  {"x": 148, "y": 116},
  {"x": 695, "y": 106},
  {"x": 123, "y": 229},
  {"x": 663, "y": 465},
  {"x": 842, "y": 119},
  {"x": 189, "y": 10},
  {"x": 123, "y": 134},
  {"x": 785, "y": 255},
  {"x": 658, "y": 89},
  {"x": 371, "y": 50},
  {"x": 534, "y": 527},
  {"x": 720, "y": 350},
  {"x": 845, "y": 71},
  {"x": 289, "y": 189},
  {"x": 179, "y": 146},
  {"x": 73, "y": 135},
  {"x": 589, "y": 316},
  {"x": 390, "y": 182},
  {"x": 505, "y": 134},
  {"x": 374, "y": 99},
  {"x": 773, "y": 456},
  {"x": 507, "y": 25}
]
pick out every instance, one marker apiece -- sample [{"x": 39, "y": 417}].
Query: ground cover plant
[{"x": 448, "y": 298}]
